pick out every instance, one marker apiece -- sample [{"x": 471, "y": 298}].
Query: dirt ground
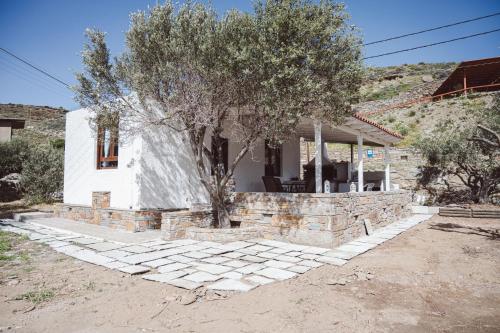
[{"x": 441, "y": 276}]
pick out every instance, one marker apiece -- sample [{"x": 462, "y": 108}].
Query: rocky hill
[
  {"x": 389, "y": 86},
  {"x": 41, "y": 121}
]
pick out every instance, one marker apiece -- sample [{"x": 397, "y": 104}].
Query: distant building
[
  {"x": 6, "y": 127},
  {"x": 472, "y": 76}
]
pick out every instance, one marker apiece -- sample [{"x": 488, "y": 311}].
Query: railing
[{"x": 427, "y": 99}]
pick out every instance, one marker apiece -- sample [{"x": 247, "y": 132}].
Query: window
[
  {"x": 107, "y": 148},
  {"x": 225, "y": 154},
  {"x": 272, "y": 161}
]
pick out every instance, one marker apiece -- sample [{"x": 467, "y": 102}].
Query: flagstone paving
[{"x": 190, "y": 264}]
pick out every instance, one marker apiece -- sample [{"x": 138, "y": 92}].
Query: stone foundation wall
[
  {"x": 174, "y": 224},
  {"x": 101, "y": 214},
  {"x": 326, "y": 220}
]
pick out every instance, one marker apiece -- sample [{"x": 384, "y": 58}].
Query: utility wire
[
  {"x": 431, "y": 29},
  {"x": 36, "y": 68},
  {"x": 433, "y": 44},
  {"x": 12, "y": 63}
]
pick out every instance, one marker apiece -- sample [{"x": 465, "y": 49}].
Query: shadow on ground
[{"x": 492, "y": 234}]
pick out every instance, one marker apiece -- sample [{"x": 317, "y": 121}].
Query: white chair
[{"x": 368, "y": 187}]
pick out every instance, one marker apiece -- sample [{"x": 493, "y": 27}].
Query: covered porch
[{"x": 285, "y": 168}]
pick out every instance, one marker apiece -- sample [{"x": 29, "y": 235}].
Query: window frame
[{"x": 113, "y": 149}]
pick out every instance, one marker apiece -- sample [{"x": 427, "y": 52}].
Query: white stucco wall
[
  {"x": 168, "y": 177},
  {"x": 248, "y": 173},
  {"x": 155, "y": 169},
  {"x": 81, "y": 177}
]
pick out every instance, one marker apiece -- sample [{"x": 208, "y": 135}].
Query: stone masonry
[
  {"x": 326, "y": 220},
  {"x": 101, "y": 213}
]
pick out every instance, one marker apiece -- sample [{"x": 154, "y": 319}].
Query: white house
[
  {"x": 107, "y": 183},
  {"x": 155, "y": 169}
]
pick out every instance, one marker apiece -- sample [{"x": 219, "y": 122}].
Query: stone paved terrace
[{"x": 190, "y": 264}]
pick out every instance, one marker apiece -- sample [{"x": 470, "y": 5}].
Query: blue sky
[{"x": 50, "y": 34}]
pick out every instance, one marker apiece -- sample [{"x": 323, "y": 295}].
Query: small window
[
  {"x": 225, "y": 154},
  {"x": 107, "y": 148},
  {"x": 272, "y": 161},
  {"x": 404, "y": 158}
]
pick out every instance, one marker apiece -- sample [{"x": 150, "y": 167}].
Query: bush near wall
[
  {"x": 42, "y": 173},
  {"x": 39, "y": 164},
  {"x": 12, "y": 155}
]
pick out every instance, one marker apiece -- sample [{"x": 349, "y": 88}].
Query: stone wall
[
  {"x": 101, "y": 214},
  {"x": 174, "y": 224},
  {"x": 326, "y": 220}
]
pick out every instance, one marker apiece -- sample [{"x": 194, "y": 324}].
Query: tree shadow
[{"x": 492, "y": 234}]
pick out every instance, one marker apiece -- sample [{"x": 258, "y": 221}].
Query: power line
[
  {"x": 19, "y": 75},
  {"x": 29, "y": 72},
  {"x": 433, "y": 44},
  {"x": 431, "y": 29},
  {"x": 36, "y": 68}
]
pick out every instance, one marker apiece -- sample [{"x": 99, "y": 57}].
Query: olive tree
[
  {"x": 468, "y": 151},
  {"x": 255, "y": 75}
]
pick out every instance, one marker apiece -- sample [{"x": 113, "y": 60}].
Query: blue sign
[{"x": 370, "y": 153}]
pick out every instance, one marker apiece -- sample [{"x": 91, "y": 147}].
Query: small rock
[
  {"x": 427, "y": 78},
  {"x": 188, "y": 299},
  {"x": 339, "y": 281}
]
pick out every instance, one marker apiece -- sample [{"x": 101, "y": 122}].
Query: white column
[
  {"x": 387, "y": 161},
  {"x": 360, "y": 164},
  {"x": 318, "y": 143}
]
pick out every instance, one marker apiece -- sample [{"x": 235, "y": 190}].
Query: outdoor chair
[
  {"x": 369, "y": 187},
  {"x": 272, "y": 184}
]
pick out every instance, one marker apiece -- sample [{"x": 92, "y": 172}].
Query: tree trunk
[
  {"x": 483, "y": 194},
  {"x": 221, "y": 215}
]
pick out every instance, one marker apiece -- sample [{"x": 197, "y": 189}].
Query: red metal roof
[
  {"x": 373, "y": 123},
  {"x": 482, "y": 73}
]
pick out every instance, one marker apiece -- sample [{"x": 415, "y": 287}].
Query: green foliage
[
  {"x": 5, "y": 246},
  {"x": 42, "y": 174},
  {"x": 37, "y": 297},
  {"x": 57, "y": 143},
  {"x": 386, "y": 92},
  {"x": 401, "y": 128},
  {"x": 412, "y": 113},
  {"x": 465, "y": 151},
  {"x": 12, "y": 155}
]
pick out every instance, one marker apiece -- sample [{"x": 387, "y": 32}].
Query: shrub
[
  {"x": 57, "y": 143},
  {"x": 12, "y": 155},
  {"x": 401, "y": 128},
  {"x": 411, "y": 113},
  {"x": 42, "y": 174}
]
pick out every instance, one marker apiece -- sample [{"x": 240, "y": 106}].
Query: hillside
[
  {"x": 42, "y": 122},
  {"x": 389, "y": 86}
]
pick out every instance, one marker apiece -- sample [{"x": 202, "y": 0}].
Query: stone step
[{"x": 22, "y": 217}]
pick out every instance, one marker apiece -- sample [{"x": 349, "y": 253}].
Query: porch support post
[
  {"x": 360, "y": 164},
  {"x": 465, "y": 84},
  {"x": 387, "y": 161},
  {"x": 318, "y": 143}
]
